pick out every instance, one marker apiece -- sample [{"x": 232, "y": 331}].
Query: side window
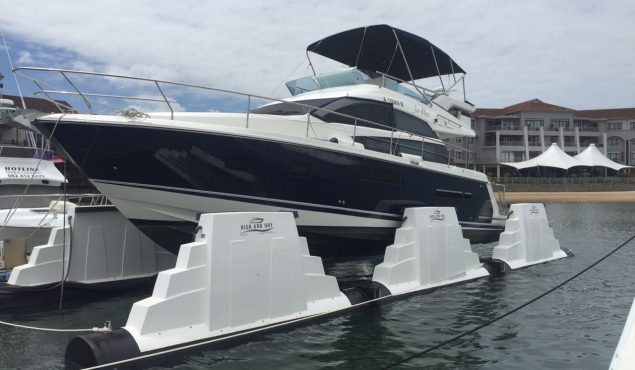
[
  {"x": 289, "y": 108},
  {"x": 435, "y": 153},
  {"x": 410, "y": 123},
  {"x": 409, "y": 147},
  {"x": 378, "y": 144},
  {"x": 377, "y": 112},
  {"x": 380, "y": 175},
  {"x": 431, "y": 152}
]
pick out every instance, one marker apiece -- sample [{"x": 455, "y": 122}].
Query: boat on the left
[
  {"x": 30, "y": 182},
  {"x": 28, "y": 173},
  {"x": 43, "y": 227}
]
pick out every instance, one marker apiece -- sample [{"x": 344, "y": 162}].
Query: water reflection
[{"x": 576, "y": 327}]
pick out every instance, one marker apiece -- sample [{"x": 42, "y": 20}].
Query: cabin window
[
  {"x": 380, "y": 175},
  {"x": 290, "y": 108},
  {"x": 379, "y": 113},
  {"x": 435, "y": 153},
  {"x": 377, "y": 144},
  {"x": 409, "y": 147},
  {"x": 431, "y": 152},
  {"x": 371, "y": 113},
  {"x": 410, "y": 123}
]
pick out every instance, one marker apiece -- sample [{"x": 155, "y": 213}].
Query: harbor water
[{"x": 575, "y": 327}]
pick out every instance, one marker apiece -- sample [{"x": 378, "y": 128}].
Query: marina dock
[{"x": 582, "y": 196}]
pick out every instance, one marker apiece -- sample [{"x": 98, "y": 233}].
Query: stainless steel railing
[
  {"x": 159, "y": 84},
  {"x": 81, "y": 199}
]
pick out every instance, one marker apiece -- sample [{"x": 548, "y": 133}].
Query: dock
[{"x": 561, "y": 197}]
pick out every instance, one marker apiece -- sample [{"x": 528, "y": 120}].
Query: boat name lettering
[
  {"x": 533, "y": 210},
  {"x": 256, "y": 224},
  {"x": 23, "y": 172},
  {"x": 22, "y": 169},
  {"x": 437, "y": 216},
  {"x": 393, "y": 101},
  {"x": 421, "y": 111}
]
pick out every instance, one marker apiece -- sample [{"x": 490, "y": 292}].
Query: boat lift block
[
  {"x": 250, "y": 271},
  {"x": 429, "y": 251},
  {"x": 244, "y": 270},
  {"x": 527, "y": 239},
  {"x": 105, "y": 250}
]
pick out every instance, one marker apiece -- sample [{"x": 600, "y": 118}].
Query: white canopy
[
  {"x": 555, "y": 157},
  {"x": 552, "y": 157},
  {"x": 591, "y": 156}
]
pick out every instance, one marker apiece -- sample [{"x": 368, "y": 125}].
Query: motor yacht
[{"x": 346, "y": 153}]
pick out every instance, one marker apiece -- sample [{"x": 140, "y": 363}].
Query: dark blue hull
[{"x": 268, "y": 172}]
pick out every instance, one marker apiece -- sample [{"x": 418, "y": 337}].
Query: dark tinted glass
[
  {"x": 407, "y": 122},
  {"x": 373, "y": 111},
  {"x": 290, "y": 108}
]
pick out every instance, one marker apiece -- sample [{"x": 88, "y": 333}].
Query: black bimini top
[{"x": 379, "y": 49}]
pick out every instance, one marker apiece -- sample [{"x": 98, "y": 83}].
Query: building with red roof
[{"x": 524, "y": 130}]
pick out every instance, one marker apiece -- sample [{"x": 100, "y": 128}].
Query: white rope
[
  {"x": 132, "y": 113},
  {"x": 106, "y": 328}
]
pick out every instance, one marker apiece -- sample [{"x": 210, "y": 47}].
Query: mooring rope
[
  {"x": 418, "y": 354},
  {"x": 106, "y": 328},
  {"x": 132, "y": 113},
  {"x": 498, "y": 318}
]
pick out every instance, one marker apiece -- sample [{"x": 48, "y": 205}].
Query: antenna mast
[{"x": 6, "y": 48}]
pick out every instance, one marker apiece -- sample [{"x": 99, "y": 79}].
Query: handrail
[
  {"x": 23, "y": 147},
  {"x": 101, "y": 95},
  {"x": 166, "y": 100},
  {"x": 400, "y": 80},
  {"x": 18, "y": 151},
  {"x": 501, "y": 190},
  {"x": 76, "y": 89},
  {"x": 21, "y": 72},
  {"x": 566, "y": 180},
  {"x": 462, "y": 149},
  {"x": 68, "y": 195}
]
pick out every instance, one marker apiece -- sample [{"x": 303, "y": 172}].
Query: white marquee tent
[
  {"x": 557, "y": 158},
  {"x": 552, "y": 157},
  {"x": 592, "y": 156}
]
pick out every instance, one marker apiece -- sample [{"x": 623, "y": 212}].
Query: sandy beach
[{"x": 600, "y": 196}]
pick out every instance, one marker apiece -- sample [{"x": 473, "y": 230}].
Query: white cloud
[
  {"x": 570, "y": 52},
  {"x": 24, "y": 57}
]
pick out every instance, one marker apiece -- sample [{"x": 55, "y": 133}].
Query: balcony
[
  {"x": 510, "y": 143},
  {"x": 492, "y": 127}
]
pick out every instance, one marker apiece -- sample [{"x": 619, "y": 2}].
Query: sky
[{"x": 575, "y": 53}]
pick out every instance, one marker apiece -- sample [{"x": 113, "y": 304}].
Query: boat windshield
[
  {"x": 7, "y": 104},
  {"x": 350, "y": 77}
]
